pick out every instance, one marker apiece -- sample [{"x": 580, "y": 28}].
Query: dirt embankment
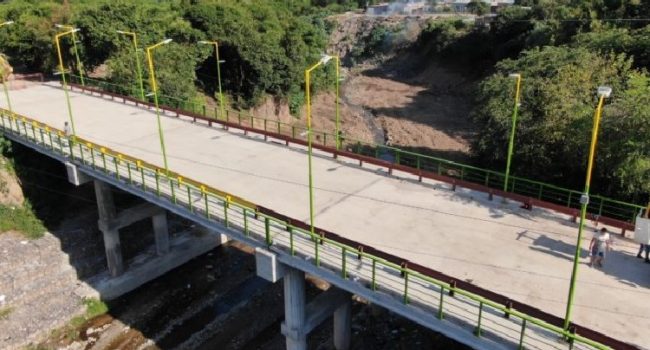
[
  {"x": 416, "y": 102},
  {"x": 399, "y": 97},
  {"x": 11, "y": 194}
]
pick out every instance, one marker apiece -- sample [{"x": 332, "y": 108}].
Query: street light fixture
[
  {"x": 74, "y": 48},
  {"x": 324, "y": 59},
  {"x": 62, "y": 72},
  {"x": 603, "y": 92},
  {"x": 511, "y": 143},
  {"x": 154, "y": 89},
  {"x": 219, "y": 62},
  {"x": 6, "y": 64},
  {"x": 137, "y": 59}
]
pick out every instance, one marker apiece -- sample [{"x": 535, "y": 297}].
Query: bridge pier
[
  {"x": 166, "y": 253},
  {"x": 343, "y": 325},
  {"x": 294, "y": 310},
  {"x": 161, "y": 233},
  {"x": 301, "y": 318},
  {"x": 107, "y": 212}
]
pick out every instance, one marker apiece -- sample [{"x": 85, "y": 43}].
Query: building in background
[{"x": 417, "y": 7}]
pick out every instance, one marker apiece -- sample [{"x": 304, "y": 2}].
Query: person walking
[
  {"x": 599, "y": 245},
  {"x": 67, "y": 130},
  {"x": 643, "y": 247}
]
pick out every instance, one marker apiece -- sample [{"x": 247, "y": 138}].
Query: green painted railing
[
  {"x": 598, "y": 205},
  {"x": 437, "y": 298}
]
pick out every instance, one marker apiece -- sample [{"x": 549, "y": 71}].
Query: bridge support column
[
  {"x": 294, "y": 310},
  {"x": 161, "y": 233},
  {"x": 301, "y": 318},
  {"x": 343, "y": 325},
  {"x": 107, "y": 213}
]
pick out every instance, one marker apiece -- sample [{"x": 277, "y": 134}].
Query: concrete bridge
[{"x": 486, "y": 273}]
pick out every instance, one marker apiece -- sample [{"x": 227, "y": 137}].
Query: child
[{"x": 600, "y": 243}]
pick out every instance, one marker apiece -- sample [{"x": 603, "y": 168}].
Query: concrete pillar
[
  {"x": 161, "y": 233},
  {"x": 294, "y": 309},
  {"x": 105, "y": 203},
  {"x": 113, "y": 252},
  {"x": 343, "y": 326},
  {"x": 107, "y": 213}
]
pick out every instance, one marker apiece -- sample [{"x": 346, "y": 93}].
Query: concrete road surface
[{"x": 522, "y": 254}]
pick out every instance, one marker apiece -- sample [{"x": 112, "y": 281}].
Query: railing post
[
  {"x": 441, "y": 314},
  {"x": 600, "y": 207},
  {"x": 171, "y": 187},
  {"x": 92, "y": 154},
  {"x": 374, "y": 281},
  {"x": 316, "y": 251},
  {"x": 267, "y": 232},
  {"x": 406, "y": 287},
  {"x": 102, "y": 150},
  {"x": 226, "y": 205},
  {"x": 477, "y": 331},
  {"x": 128, "y": 170},
  {"x": 189, "y": 199},
  {"x": 116, "y": 161},
  {"x": 344, "y": 273},
  {"x": 245, "y": 213},
  {"x": 521, "y": 337},
  {"x": 206, "y": 201},
  {"x": 157, "y": 182},
  {"x": 291, "y": 248},
  {"x": 139, "y": 166}
]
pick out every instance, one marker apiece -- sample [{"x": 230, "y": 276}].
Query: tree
[
  {"x": 478, "y": 7},
  {"x": 556, "y": 117}
]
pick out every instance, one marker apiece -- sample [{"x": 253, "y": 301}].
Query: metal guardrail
[
  {"x": 487, "y": 314},
  {"x": 600, "y": 208}
]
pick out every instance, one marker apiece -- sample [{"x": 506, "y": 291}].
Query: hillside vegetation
[{"x": 564, "y": 50}]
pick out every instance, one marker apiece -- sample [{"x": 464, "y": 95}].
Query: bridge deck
[{"x": 524, "y": 255}]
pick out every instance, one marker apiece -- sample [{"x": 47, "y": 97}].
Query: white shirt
[{"x": 601, "y": 240}]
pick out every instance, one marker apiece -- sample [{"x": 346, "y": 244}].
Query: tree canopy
[{"x": 265, "y": 45}]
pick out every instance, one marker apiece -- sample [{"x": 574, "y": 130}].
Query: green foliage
[
  {"x": 478, "y": 7},
  {"x": 556, "y": 119},
  {"x": 30, "y": 37},
  {"x": 266, "y": 45},
  {"x": 21, "y": 219},
  {"x": 5, "y": 312},
  {"x": 94, "y": 308},
  {"x": 564, "y": 52}
]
